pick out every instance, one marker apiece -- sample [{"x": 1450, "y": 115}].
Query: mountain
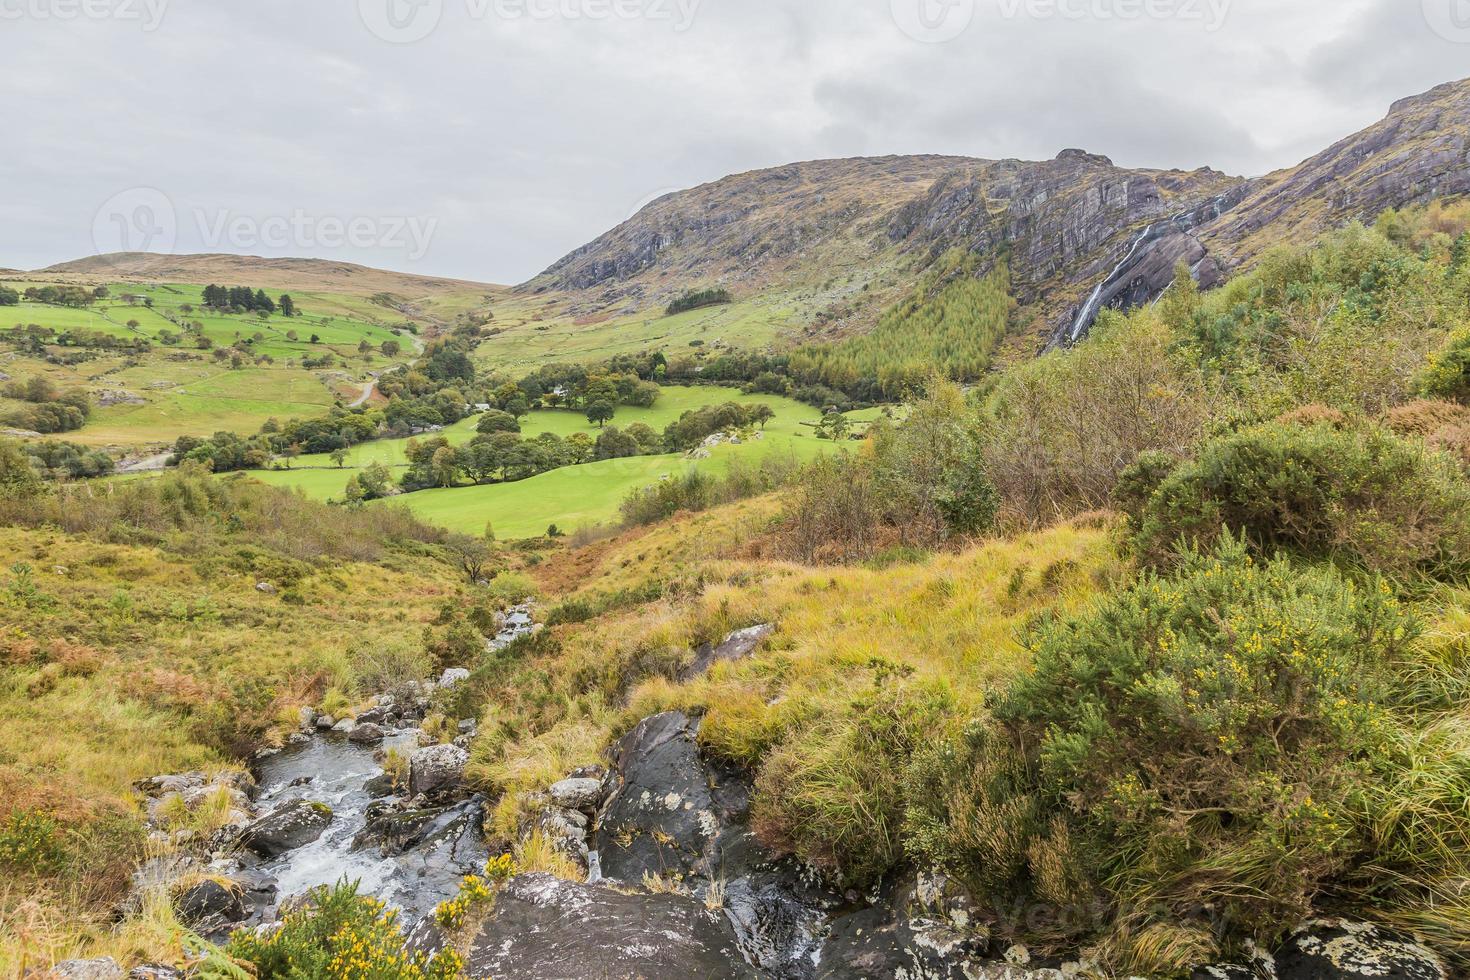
[
  {"x": 1079, "y": 232},
  {"x": 302, "y": 274}
]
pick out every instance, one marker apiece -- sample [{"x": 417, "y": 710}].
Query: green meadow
[
  {"x": 575, "y": 496},
  {"x": 185, "y": 390}
]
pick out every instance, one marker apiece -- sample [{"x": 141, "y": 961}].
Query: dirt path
[{"x": 367, "y": 392}]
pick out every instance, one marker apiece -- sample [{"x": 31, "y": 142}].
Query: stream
[{"x": 410, "y": 854}]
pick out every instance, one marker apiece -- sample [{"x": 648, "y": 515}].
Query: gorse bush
[
  {"x": 339, "y": 935},
  {"x": 1359, "y": 497},
  {"x": 1222, "y": 739}
]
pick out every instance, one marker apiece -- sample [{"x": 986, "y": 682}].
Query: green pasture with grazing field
[{"x": 573, "y": 496}]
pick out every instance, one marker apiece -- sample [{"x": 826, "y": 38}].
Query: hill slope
[{"x": 1080, "y": 232}]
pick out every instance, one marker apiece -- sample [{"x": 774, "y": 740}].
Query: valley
[{"x": 922, "y": 567}]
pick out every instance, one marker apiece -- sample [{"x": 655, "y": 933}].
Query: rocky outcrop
[
  {"x": 1066, "y": 225},
  {"x": 737, "y": 646},
  {"x": 292, "y": 825},
  {"x": 1339, "y": 950},
  {"x": 543, "y": 928}
]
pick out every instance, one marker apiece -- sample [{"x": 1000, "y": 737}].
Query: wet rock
[
  {"x": 736, "y": 646},
  {"x": 576, "y": 794},
  {"x": 921, "y": 926},
  {"x": 154, "y": 971},
  {"x": 345, "y": 726},
  {"x": 211, "y": 903},
  {"x": 367, "y": 734},
  {"x": 1231, "y": 971},
  {"x": 659, "y": 818},
  {"x": 543, "y": 928},
  {"x": 292, "y": 825},
  {"x": 382, "y": 785},
  {"x": 436, "y": 768},
  {"x": 394, "y": 828},
  {"x": 1339, "y": 950},
  {"x": 325, "y": 723},
  {"x": 453, "y": 677},
  {"x": 102, "y": 968}
]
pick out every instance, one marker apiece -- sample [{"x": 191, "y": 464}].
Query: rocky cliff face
[{"x": 1080, "y": 233}]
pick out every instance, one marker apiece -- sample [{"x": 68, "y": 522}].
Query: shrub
[
  {"x": 1359, "y": 497},
  {"x": 1221, "y": 739},
  {"x": 1448, "y": 374},
  {"x": 30, "y": 843},
  {"x": 338, "y": 933},
  {"x": 1425, "y": 418},
  {"x": 1314, "y": 414}
]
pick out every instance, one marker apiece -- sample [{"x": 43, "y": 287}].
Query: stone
[
  {"x": 453, "y": 677},
  {"x": 345, "y": 726},
  {"x": 102, "y": 968},
  {"x": 736, "y": 646},
  {"x": 542, "y": 927},
  {"x": 368, "y": 734},
  {"x": 292, "y": 825},
  {"x": 265, "y": 588},
  {"x": 1339, "y": 950},
  {"x": 576, "y": 794},
  {"x": 436, "y": 768},
  {"x": 154, "y": 971},
  {"x": 325, "y": 723},
  {"x": 211, "y": 903}
]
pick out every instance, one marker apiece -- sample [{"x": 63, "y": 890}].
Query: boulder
[
  {"x": 367, "y": 734},
  {"x": 660, "y": 817},
  {"x": 211, "y": 903},
  {"x": 345, "y": 726},
  {"x": 395, "y": 828},
  {"x": 292, "y": 825},
  {"x": 436, "y": 768},
  {"x": 154, "y": 971},
  {"x": 265, "y": 588},
  {"x": 1340, "y": 950},
  {"x": 577, "y": 794},
  {"x": 102, "y": 968},
  {"x": 542, "y": 927},
  {"x": 736, "y": 646},
  {"x": 325, "y": 722},
  {"x": 453, "y": 677}
]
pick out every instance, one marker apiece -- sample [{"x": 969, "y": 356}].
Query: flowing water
[{"x": 414, "y": 873}]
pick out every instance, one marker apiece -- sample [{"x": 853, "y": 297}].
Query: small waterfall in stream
[{"x": 408, "y": 853}]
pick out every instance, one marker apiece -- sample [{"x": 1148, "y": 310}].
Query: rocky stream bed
[{"x": 322, "y": 810}]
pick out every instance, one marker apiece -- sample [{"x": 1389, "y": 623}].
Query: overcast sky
[{"x": 483, "y": 139}]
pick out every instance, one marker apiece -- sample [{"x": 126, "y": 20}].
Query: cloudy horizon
[{"x": 484, "y": 139}]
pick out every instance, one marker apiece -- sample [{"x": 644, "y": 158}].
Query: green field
[
  {"x": 574, "y": 496},
  {"x": 186, "y": 390}
]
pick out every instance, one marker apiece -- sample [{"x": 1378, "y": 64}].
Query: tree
[
  {"x": 9, "y": 297},
  {"x": 495, "y": 421},
  {"x": 470, "y": 555},
  {"x": 600, "y": 413},
  {"x": 835, "y": 426},
  {"x": 288, "y": 305},
  {"x": 376, "y": 481},
  {"x": 264, "y": 303},
  {"x": 613, "y": 443},
  {"x": 18, "y": 481},
  {"x": 390, "y": 348},
  {"x": 339, "y": 457},
  {"x": 518, "y": 406},
  {"x": 444, "y": 466},
  {"x": 761, "y": 413}
]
